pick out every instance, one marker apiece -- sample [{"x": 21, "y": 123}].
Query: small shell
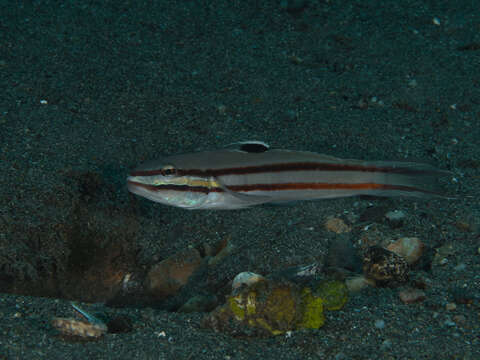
[
  {"x": 385, "y": 267},
  {"x": 410, "y": 248},
  {"x": 246, "y": 278},
  {"x": 73, "y": 327}
]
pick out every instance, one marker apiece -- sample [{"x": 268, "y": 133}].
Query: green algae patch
[
  {"x": 312, "y": 311},
  {"x": 266, "y": 307},
  {"x": 242, "y": 305},
  {"x": 333, "y": 293},
  {"x": 327, "y": 295},
  {"x": 275, "y": 307}
]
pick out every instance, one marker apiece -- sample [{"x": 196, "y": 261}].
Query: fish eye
[{"x": 168, "y": 170}]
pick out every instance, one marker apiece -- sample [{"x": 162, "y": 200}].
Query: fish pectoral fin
[{"x": 246, "y": 200}]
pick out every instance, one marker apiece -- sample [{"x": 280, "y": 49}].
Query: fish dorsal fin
[{"x": 250, "y": 146}]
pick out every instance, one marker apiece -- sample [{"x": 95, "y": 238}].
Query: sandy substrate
[{"x": 90, "y": 90}]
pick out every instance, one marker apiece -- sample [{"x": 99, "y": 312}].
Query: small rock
[
  {"x": 442, "y": 254},
  {"x": 410, "y": 248},
  {"x": 450, "y": 307},
  {"x": 410, "y": 296},
  {"x": 357, "y": 283},
  {"x": 395, "y": 218},
  {"x": 168, "y": 276},
  {"x": 337, "y": 226},
  {"x": 379, "y": 324}
]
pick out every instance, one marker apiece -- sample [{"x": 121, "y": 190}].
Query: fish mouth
[
  {"x": 143, "y": 190},
  {"x": 138, "y": 187},
  {"x": 132, "y": 186}
]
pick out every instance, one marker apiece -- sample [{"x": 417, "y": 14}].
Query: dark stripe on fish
[{"x": 303, "y": 166}]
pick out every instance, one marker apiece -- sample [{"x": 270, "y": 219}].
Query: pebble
[
  {"x": 442, "y": 253},
  {"x": 395, "y": 218},
  {"x": 410, "y": 295},
  {"x": 357, "y": 283},
  {"x": 379, "y": 324},
  {"x": 337, "y": 226},
  {"x": 410, "y": 248},
  {"x": 168, "y": 276},
  {"x": 450, "y": 306}
]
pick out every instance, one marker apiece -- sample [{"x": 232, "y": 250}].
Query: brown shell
[{"x": 385, "y": 267}]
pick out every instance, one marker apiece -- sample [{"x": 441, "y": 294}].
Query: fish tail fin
[{"x": 406, "y": 179}]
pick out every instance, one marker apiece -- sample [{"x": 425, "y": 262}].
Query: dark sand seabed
[{"x": 91, "y": 89}]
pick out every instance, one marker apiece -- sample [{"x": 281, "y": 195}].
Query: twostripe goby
[{"x": 252, "y": 174}]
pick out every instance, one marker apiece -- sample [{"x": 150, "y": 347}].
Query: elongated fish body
[{"x": 252, "y": 174}]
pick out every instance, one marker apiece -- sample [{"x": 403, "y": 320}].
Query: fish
[{"x": 250, "y": 173}]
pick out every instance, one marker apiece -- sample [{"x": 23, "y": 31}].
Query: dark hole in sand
[{"x": 81, "y": 251}]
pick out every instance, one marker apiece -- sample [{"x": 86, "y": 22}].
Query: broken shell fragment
[
  {"x": 91, "y": 327},
  {"x": 246, "y": 278},
  {"x": 73, "y": 327},
  {"x": 384, "y": 266},
  {"x": 410, "y": 248}
]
